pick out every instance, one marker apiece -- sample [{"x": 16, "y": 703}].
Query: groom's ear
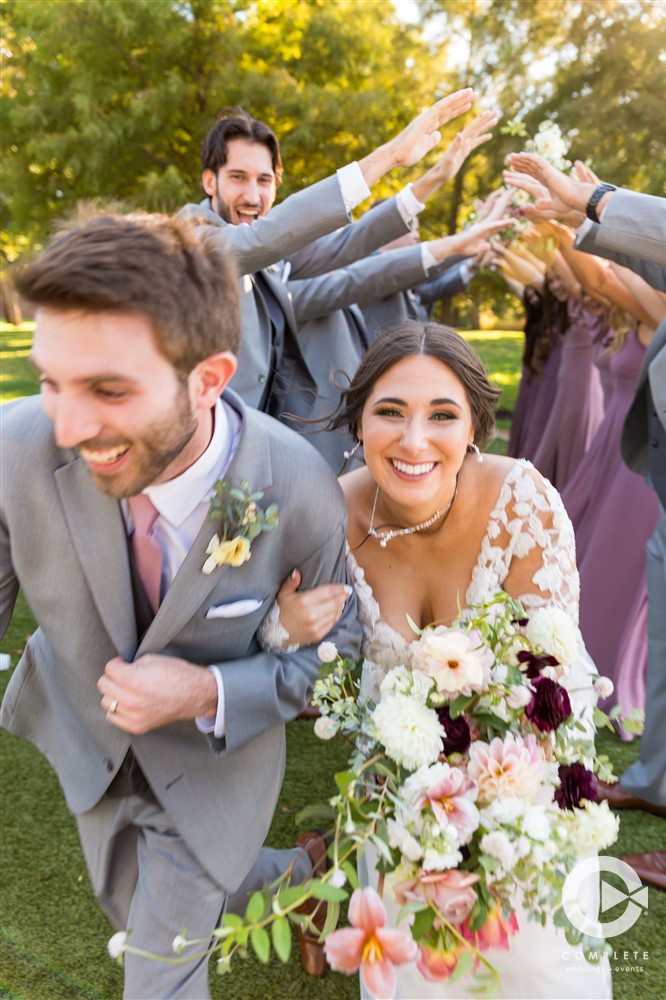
[{"x": 211, "y": 377}]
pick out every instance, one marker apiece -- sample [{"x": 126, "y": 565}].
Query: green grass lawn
[
  {"x": 54, "y": 936},
  {"x": 17, "y": 376}
]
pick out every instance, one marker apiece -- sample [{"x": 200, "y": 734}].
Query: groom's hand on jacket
[{"x": 155, "y": 691}]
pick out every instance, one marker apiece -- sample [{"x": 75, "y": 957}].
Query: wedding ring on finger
[{"x": 113, "y": 707}]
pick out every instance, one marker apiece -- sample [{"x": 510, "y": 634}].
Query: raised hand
[
  {"x": 471, "y": 241},
  {"x": 418, "y": 138},
  {"x": 566, "y": 193},
  {"x": 422, "y": 134},
  {"x": 465, "y": 142},
  {"x": 585, "y": 174},
  {"x": 546, "y": 207}
]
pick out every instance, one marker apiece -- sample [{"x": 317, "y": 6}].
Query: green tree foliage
[{"x": 110, "y": 99}]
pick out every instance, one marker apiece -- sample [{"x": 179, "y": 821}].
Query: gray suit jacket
[
  {"x": 644, "y": 431},
  {"x": 292, "y": 224},
  {"x": 632, "y": 232},
  {"x": 413, "y": 303},
  {"x": 375, "y": 276},
  {"x": 256, "y": 356},
  {"x": 65, "y": 543}
]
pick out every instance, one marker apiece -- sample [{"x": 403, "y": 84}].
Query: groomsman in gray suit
[
  {"x": 145, "y": 685},
  {"x": 241, "y": 169}
]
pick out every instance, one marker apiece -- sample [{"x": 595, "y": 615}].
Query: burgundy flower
[
  {"x": 458, "y": 737},
  {"x": 576, "y": 784},
  {"x": 550, "y": 704},
  {"x": 536, "y": 662}
]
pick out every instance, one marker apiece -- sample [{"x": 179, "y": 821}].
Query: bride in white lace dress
[{"x": 433, "y": 527}]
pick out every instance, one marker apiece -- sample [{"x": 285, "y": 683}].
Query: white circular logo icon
[{"x": 575, "y": 902}]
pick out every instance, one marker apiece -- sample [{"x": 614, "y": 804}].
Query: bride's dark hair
[{"x": 432, "y": 340}]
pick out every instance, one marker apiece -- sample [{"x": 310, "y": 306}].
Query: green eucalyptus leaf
[
  {"x": 281, "y": 935},
  {"x": 261, "y": 943},
  {"x": 256, "y": 908},
  {"x": 322, "y": 890}
]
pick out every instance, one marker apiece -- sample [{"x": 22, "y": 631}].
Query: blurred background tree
[{"x": 110, "y": 99}]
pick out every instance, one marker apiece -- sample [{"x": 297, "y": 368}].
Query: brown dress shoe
[
  {"x": 650, "y": 867},
  {"x": 309, "y": 712},
  {"x": 619, "y": 798},
  {"x": 313, "y": 958}
]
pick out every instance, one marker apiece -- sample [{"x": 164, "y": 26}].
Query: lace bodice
[{"x": 527, "y": 521}]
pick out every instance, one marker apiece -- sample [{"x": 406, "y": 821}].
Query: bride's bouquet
[
  {"x": 471, "y": 785},
  {"x": 471, "y": 780}
]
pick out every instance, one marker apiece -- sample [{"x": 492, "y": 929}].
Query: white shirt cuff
[
  {"x": 427, "y": 258},
  {"x": 408, "y": 204},
  {"x": 217, "y": 725},
  {"x": 467, "y": 269},
  {"x": 353, "y": 187},
  {"x": 584, "y": 227}
]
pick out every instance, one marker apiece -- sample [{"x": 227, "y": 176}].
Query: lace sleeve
[
  {"x": 530, "y": 545},
  {"x": 272, "y": 635}
]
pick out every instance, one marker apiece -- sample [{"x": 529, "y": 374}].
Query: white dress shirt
[{"x": 183, "y": 504}]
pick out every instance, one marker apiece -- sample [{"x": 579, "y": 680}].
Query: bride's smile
[{"x": 416, "y": 426}]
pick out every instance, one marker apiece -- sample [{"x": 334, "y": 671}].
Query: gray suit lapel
[
  {"x": 191, "y": 587},
  {"x": 99, "y": 538}
]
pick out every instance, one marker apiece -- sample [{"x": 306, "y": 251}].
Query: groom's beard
[{"x": 160, "y": 444}]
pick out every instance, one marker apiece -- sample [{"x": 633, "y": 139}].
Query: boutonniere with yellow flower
[{"x": 241, "y": 521}]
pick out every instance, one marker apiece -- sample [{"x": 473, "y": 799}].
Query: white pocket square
[{"x": 234, "y": 610}]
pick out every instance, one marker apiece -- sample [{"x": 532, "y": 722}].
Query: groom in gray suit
[{"x": 145, "y": 685}]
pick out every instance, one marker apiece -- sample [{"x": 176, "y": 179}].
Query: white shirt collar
[{"x": 176, "y": 499}]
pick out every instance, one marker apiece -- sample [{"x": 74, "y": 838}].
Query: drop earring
[
  {"x": 475, "y": 448},
  {"x": 350, "y": 454}
]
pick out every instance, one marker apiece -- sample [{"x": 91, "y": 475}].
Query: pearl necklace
[{"x": 384, "y": 536}]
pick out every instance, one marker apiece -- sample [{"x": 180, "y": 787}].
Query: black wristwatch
[{"x": 597, "y": 195}]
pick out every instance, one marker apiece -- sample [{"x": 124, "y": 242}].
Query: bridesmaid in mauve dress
[
  {"x": 550, "y": 345},
  {"x": 614, "y": 513},
  {"x": 578, "y": 407},
  {"x": 530, "y": 379},
  {"x": 592, "y": 480}
]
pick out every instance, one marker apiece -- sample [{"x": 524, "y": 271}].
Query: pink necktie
[{"x": 146, "y": 549}]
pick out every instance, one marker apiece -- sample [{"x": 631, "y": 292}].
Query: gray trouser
[
  {"x": 147, "y": 881},
  {"x": 647, "y": 777}
]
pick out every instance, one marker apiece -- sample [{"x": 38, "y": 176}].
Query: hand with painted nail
[{"x": 309, "y": 615}]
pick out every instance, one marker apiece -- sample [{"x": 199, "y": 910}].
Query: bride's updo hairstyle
[{"x": 432, "y": 340}]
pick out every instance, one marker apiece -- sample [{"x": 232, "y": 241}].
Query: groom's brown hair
[{"x": 147, "y": 264}]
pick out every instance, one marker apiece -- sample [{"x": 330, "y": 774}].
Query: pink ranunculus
[
  {"x": 450, "y": 891},
  {"x": 495, "y": 932},
  {"x": 451, "y": 797},
  {"x": 370, "y": 946},
  {"x": 513, "y": 767},
  {"x": 436, "y": 966}
]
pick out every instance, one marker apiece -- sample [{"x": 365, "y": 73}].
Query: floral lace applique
[{"x": 529, "y": 520}]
